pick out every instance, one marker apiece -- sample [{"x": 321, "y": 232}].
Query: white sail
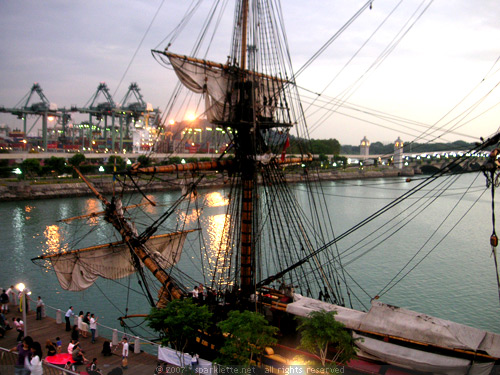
[
  {"x": 216, "y": 82},
  {"x": 78, "y": 269}
]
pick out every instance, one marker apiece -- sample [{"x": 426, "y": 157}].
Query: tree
[
  {"x": 58, "y": 165},
  {"x": 320, "y": 330},
  {"x": 249, "y": 334},
  {"x": 31, "y": 167},
  {"x": 144, "y": 160},
  {"x": 178, "y": 323},
  {"x": 76, "y": 159},
  {"x": 117, "y": 161}
]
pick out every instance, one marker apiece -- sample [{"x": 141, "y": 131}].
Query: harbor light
[
  {"x": 183, "y": 161},
  {"x": 101, "y": 169},
  {"x": 17, "y": 171}
]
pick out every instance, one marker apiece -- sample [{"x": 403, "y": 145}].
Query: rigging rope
[{"x": 492, "y": 181}]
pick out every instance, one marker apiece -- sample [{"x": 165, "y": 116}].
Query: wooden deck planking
[{"x": 47, "y": 328}]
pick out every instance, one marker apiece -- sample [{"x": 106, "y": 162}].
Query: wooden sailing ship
[{"x": 268, "y": 237}]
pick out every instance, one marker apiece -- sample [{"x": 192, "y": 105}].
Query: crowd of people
[{"x": 29, "y": 352}]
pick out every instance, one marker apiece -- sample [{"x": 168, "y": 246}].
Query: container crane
[
  {"x": 137, "y": 112},
  {"x": 44, "y": 109},
  {"x": 101, "y": 111}
]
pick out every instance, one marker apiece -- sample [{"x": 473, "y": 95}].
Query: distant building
[
  {"x": 364, "y": 148},
  {"x": 398, "y": 153}
]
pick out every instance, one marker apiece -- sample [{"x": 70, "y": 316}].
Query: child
[
  {"x": 58, "y": 344},
  {"x": 70, "y": 366}
]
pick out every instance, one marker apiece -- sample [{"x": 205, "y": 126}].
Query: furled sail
[
  {"x": 225, "y": 87},
  {"x": 78, "y": 269}
]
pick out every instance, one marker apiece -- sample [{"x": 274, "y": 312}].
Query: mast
[
  {"x": 247, "y": 264},
  {"x": 244, "y": 35},
  {"x": 170, "y": 290}
]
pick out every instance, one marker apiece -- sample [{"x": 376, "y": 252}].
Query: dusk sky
[{"x": 443, "y": 72}]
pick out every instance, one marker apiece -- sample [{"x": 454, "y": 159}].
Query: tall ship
[{"x": 276, "y": 252}]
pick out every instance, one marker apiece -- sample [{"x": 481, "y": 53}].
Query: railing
[
  {"x": 8, "y": 361},
  {"x": 115, "y": 334}
]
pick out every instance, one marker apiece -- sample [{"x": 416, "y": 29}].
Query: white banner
[{"x": 171, "y": 356}]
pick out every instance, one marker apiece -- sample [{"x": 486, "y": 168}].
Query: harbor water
[{"x": 438, "y": 262}]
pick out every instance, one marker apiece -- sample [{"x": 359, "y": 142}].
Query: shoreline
[{"x": 33, "y": 190}]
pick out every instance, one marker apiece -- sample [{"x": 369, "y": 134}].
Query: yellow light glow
[
  {"x": 20, "y": 287},
  {"x": 50, "y": 118},
  {"x": 172, "y": 122},
  {"x": 191, "y": 116},
  {"x": 216, "y": 200}
]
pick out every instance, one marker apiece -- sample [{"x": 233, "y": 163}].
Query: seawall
[{"x": 29, "y": 190}]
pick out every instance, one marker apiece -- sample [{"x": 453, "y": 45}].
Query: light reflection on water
[
  {"x": 216, "y": 256},
  {"x": 451, "y": 283}
]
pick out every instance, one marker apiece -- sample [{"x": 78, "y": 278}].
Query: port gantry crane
[
  {"x": 100, "y": 111},
  {"x": 43, "y": 109},
  {"x": 134, "y": 111}
]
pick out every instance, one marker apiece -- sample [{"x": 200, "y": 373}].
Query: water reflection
[
  {"x": 53, "y": 240},
  {"x": 148, "y": 207},
  {"x": 216, "y": 199},
  {"x": 93, "y": 206},
  {"x": 28, "y": 209},
  {"x": 217, "y": 252},
  {"x": 189, "y": 217}
]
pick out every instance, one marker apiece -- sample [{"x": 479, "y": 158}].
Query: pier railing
[
  {"x": 113, "y": 334},
  {"x": 8, "y": 361}
]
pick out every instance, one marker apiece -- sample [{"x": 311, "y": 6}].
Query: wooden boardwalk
[{"x": 47, "y": 328}]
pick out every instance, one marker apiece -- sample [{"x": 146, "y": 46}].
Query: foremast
[{"x": 170, "y": 289}]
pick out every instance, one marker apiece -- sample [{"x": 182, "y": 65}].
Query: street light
[{"x": 22, "y": 288}]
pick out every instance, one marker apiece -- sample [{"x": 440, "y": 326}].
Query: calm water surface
[{"x": 446, "y": 247}]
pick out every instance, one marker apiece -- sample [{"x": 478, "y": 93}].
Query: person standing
[
  {"x": 194, "y": 361},
  {"x": 4, "y": 300},
  {"x": 39, "y": 306},
  {"x": 93, "y": 326},
  {"x": 23, "y": 355},
  {"x": 12, "y": 296},
  {"x": 125, "y": 353},
  {"x": 68, "y": 315},
  {"x": 194, "y": 293},
  {"x": 35, "y": 363}
]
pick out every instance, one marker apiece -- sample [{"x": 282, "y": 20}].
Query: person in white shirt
[
  {"x": 195, "y": 293},
  {"x": 12, "y": 296},
  {"x": 68, "y": 315},
  {"x": 71, "y": 346},
  {"x": 35, "y": 363},
  {"x": 125, "y": 353},
  {"x": 39, "y": 306},
  {"x": 93, "y": 326}
]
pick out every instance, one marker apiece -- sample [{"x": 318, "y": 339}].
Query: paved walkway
[{"x": 47, "y": 328}]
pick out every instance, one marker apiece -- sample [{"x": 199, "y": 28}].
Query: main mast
[
  {"x": 247, "y": 149},
  {"x": 251, "y": 99}
]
